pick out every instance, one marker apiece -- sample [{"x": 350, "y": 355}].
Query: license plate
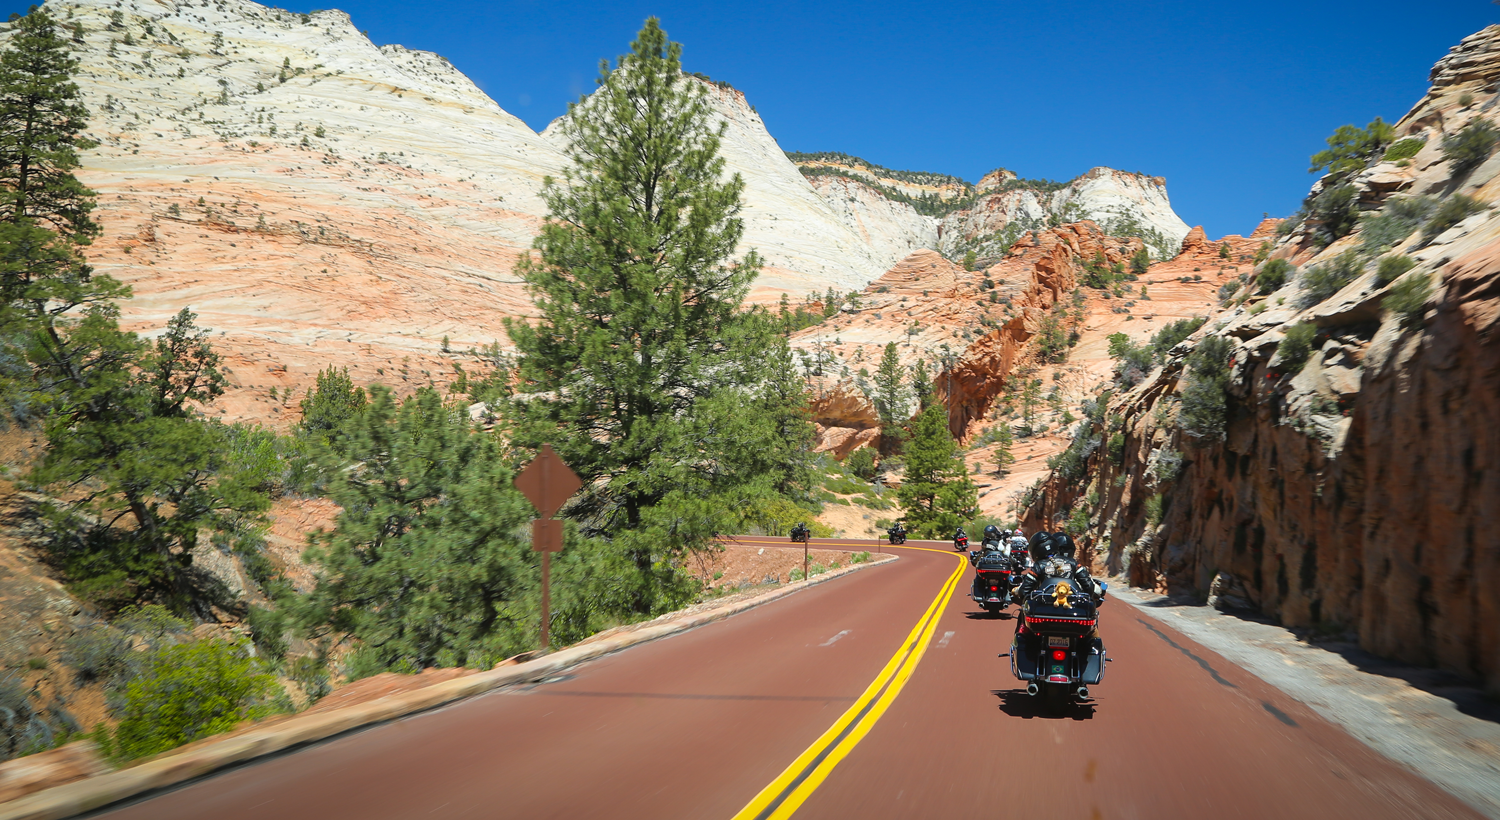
[{"x": 1051, "y": 641}]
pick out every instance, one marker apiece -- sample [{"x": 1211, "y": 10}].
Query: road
[{"x": 870, "y": 696}]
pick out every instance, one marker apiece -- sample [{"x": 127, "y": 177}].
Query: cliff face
[
  {"x": 322, "y": 201},
  {"x": 970, "y": 327},
  {"x": 1354, "y": 493},
  {"x": 894, "y": 230},
  {"x": 1121, "y": 203}
]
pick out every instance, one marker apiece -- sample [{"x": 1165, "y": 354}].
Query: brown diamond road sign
[{"x": 547, "y": 482}]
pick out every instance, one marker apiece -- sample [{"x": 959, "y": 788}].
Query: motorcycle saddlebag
[
  {"x": 1093, "y": 665},
  {"x": 1023, "y": 653}
]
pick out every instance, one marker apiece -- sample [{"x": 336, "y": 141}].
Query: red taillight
[
  {"x": 1059, "y": 655},
  {"x": 993, "y": 587}
]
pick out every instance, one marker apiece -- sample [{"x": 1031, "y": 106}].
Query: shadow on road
[
  {"x": 981, "y": 615},
  {"x": 1016, "y": 703}
]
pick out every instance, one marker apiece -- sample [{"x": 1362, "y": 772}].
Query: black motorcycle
[
  {"x": 896, "y": 536},
  {"x": 994, "y": 575},
  {"x": 799, "y": 535},
  {"x": 1055, "y": 649},
  {"x": 960, "y": 543}
]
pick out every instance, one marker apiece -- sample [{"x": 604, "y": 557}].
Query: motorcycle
[
  {"x": 799, "y": 536},
  {"x": 896, "y": 536},
  {"x": 960, "y": 543},
  {"x": 994, "y": 575},
  {"x": 1055, "y": 649}
]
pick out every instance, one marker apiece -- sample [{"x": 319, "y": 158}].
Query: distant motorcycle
[
  {"x": 1055, "y": 649},
  {"x": 799, "y": 534},
  {"x": 897, "y": 536},
  {"x": 961, "y": 543},
  {"x": 994, "y": 575}
]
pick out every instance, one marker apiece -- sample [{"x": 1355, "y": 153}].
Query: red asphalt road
[{"x": 694, "y": 726}]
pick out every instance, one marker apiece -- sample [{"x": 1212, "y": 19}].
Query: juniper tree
[{"x": 642, "y": 370}]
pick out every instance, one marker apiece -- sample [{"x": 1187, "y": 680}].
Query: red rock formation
[{"x": 1356, "y": 493}]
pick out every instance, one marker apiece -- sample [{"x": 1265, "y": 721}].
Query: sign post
[{"x": 547, "y": 483}]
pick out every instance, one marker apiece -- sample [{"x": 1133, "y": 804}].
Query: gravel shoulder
[{"x": 1427, "y": 720}]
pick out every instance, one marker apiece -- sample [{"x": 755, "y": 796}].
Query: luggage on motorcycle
[
  {"x": 1077, "y": 618},
  {"x": 1093, "y": 667},
  {"x": 1023, "y": 656}
]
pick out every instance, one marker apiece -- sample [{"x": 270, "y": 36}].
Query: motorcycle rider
[
  {"x": 1052, "y": 556},
  {"x": 992, "y": 536},
  {"x": 799, "y": 532},
  {"x": 897, "y": 529},
  {"x": 960, "y": 535}
]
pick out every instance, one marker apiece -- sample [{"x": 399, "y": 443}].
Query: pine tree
[
  {"x": 41, "y": 132},
  {"x": 1003, "y": 456},
  {"x": 936, "y": 494},
  {"x": 642, "y": 370},
  {"x": 890, "y": 400}
]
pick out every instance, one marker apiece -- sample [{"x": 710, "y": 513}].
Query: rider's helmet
[
  {"x": 991, "y": 531},
  {"x": 1063, "y": 546},
  {"x": 1041, "y": 547}
]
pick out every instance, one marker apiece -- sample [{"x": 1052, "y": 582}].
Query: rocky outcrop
[
  {"x": 1121, "y": 203},
  {"x": 1352, "y": 494},
  {"x": 971, "y": 328}
]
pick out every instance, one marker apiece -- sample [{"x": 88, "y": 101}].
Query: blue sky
[{"x": 1226, "y": 101}]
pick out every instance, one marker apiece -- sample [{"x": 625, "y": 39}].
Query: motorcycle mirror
[{"x": 1003, "y": 655}]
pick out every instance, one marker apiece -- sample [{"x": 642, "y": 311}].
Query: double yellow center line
[{"x": 788, "y": 791}]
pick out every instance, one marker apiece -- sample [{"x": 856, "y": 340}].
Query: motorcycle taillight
[{"x": 1059, "y": 654}]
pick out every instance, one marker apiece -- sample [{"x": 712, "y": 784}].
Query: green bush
[
  {"x": 1395, "y": 222},
  {"x": 1117, "y": 448},
  {"x": 861, "y": 462},
  {"x": 1322, "y": 281},
  {"x": 310, "y": 673},
  {"x": 1404, "y": 149},
  {"x": 1296, "y": 347},
  {"x": 1465, "y": 150},
  {"x": 1078, "y": 521},
  {"x": 1408, "y": 298},
  {"x": 190, "y": 691},
  {"x": 268, "y": 631},
  {"x": 1153, "y": 511},
  {"x": 1454, "y": 210},
  {"x": 1272, "y": 276},
  {"x": 1336, "y": 210},
  {"x": 1204, "y": 406},
  {"x": 1173, "y": 334},
  {"x": 1390, "y": 268}
]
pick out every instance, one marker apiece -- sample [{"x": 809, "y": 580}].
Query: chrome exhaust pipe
[
  {"x": 1083, "y": 693},
  {"x": 1032, "y": 689}
]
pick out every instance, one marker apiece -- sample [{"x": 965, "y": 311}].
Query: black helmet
[
  {"x": 1041, "y": 546},
  {"x": 1063, "y": 546},
  {"x": 992, "y": 531}
]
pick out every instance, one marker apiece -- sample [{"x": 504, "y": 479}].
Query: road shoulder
[{"x": 1427, "y": 732}]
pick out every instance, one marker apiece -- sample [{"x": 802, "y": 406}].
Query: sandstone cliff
[
  {"x": 1121, "y": 203},
  {"x": 319, "y": 200},
  {"x": 1353, "y": 493}
]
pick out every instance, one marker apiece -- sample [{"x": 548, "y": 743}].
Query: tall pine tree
[
  {"x": 140, "y": 472},
  {"x": 642, "y": 370},
  {"x": 936, "y": 494},
  {"x": 890, "y": 400}
]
